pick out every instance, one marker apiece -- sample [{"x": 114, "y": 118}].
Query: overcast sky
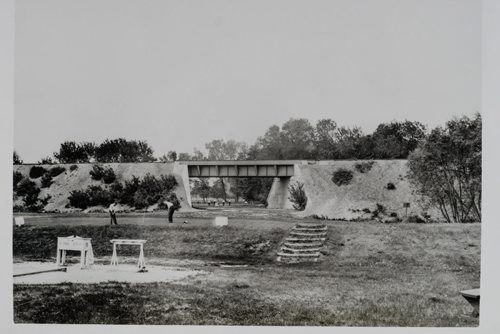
[{"x": 181, "y": 73}]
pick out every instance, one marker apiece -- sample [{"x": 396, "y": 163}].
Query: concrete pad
[{"x": 98, "y": 273}]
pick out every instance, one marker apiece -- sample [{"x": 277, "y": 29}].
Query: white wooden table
[
  {"x": 83, "y": 245},
  {"x": 114, "y": 259}
]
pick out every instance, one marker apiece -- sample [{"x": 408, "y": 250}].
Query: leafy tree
[
  {"x": 348, "y": 142},
  {"x": 72, "y": 152},
  {"x": 218, "y": 189},
  {"x": 46, "y": 161},
  {"x": 297, "y": 139},
  {"x": 201, "y": 188},
  {"x": 16, "y": 159},
  {"x": 446, "y": 169},
  {"x": 172, "y": 156},
  {"x": 256, "y": 188},
  {"x": 325, "y": 143},
  {"x": 122, "y": 150},
  {"x": 269, "y": 146},
  {"x": 396, "y": 140}
]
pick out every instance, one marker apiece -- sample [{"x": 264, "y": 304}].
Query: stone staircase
[{"x": 303, "y": 243}]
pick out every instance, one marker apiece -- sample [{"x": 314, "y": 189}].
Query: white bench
[
  {"x": 472, "y": 296},
  {"x": 114, "y": 259},
  {"x": 83, "y": 245}
]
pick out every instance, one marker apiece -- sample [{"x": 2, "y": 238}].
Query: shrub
[
  {"x": 379, "y": 210},
  {"x": 46, "y": 180},
  {"x": 364, "y": 167},
  {"x": 108, "y": 175},
  {"x": 100, "y": 173},
  {"x": 73, "y": 167},
  {"x": 26, "y": 186},
  {"x": 342, "y": 176},
  {"x": 129, "y": 189},
  {"x": 30, "y": 192},
  {"x": 298, "y": 196},
  {"x": 97, "y": 172},
  {"x": 390, "y": 186},
  {"x": 92, "y": 196},
  {"x": 152, "y": 190},
  {"x": 36, "y": 172},
  {"x": 99, "y": 196},
  {"x": 54, "y": 171},
  {"x": 17, "y": 177},
  {"x": 79, "y": 199}
]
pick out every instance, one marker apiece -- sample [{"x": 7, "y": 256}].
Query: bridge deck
[{"x": 241, "y": 168}]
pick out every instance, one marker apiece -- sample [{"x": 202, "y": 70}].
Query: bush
[
  {"x": 79, "y": 199},
  {"x": 46, "y": 180},
  {"x": 97, "y": 172},
  {"x": 105, "y": 174},
  {"x": 73, "y": 167},
  {"x": 92, "y": 196},
  {"x": 298, "y": 196},
  {"x": 26, "y": 186},
  {"x": 137, "y": 193},
  {"x": 17, "y": 177},
  {"x": 30, "y": 192},
  {"x": 390, "y": 186},
  {"x": 54, "y": 171},
  {"x": 129, "y": 189},
  {"x": 342, "y": 177},
  {"x": 152, "y": 190},
  {"x": 379, "y": 210},
  {"x": 36, "y": 172},
  {"x": 364, "y": 167},
  {"x": 108, "y": 175}
]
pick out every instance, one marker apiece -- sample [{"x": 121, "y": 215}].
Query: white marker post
[{"x": 221, "y": 221}]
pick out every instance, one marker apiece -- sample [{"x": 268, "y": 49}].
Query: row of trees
[{"x": 295, "y": 139}]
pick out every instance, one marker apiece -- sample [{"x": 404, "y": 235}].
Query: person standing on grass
[
  {"x": 172, "y": 206},
  {"x": 112, "y": 212}
]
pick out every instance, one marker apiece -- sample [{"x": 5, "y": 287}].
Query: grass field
[{"x": 370, "y": 274}]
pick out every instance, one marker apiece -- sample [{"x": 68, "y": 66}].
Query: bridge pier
[{"x": 278, "y": 195}]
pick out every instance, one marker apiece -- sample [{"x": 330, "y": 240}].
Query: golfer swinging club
[
  {"x": 172, "y": 207},
  {"x": 112, "y": 212}
]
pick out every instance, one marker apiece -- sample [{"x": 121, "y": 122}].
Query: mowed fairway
[{"x": 370, "y": 274}]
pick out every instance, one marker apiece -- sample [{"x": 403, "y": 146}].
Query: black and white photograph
[{"x": 247, "y": 163}]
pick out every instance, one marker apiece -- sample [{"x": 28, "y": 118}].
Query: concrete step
[
  {"x": 299, "y": 251},
  {"x": 298, "y": 255},
  {"x": 310, "y": 225},
  {"x": 304, "y": 239},
  {"x": 309, "y": 229},
  {"x": 303, "y": 245},
  {"x": 308, "y": 234}
]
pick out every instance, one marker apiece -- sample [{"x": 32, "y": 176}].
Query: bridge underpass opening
[{"x": 262, "y": 181}]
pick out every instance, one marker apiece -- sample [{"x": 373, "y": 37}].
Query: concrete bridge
[{"x": 242, "y": 168}]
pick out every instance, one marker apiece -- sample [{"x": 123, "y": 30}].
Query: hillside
[
  {"x": 79, "y": 179},
  {"x": 359, "y": 198}
]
